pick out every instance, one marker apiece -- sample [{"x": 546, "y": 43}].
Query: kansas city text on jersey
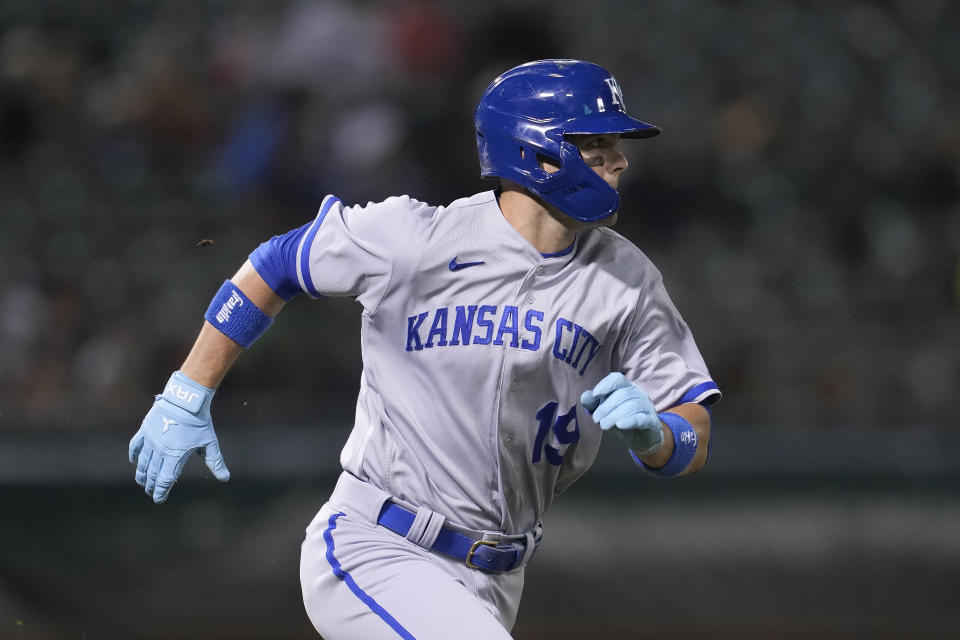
[{"x": 488, "y": 324}]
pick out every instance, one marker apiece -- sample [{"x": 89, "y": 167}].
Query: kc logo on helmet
[{"x": 615, "y": 92}]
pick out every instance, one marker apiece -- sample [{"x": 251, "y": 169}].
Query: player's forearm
[
  {"x": 699, "y": 419},
  {"x": 211, "y": 357},
  {"x": 254, "y": 287},
  {"x": 213, "y": 353}
]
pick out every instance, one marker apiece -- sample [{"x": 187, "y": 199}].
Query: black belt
[{"x": 486, "y": 555}]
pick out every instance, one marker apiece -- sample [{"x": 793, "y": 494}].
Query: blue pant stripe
[{"x": 354, "y": 587}]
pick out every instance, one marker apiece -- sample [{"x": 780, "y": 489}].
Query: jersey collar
[{"x": 507, "y": 240}]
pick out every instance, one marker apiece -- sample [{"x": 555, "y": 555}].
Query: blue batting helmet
[{"x": 527, "y": 111}]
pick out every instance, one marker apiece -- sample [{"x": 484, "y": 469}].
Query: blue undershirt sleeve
[{"x": 276, "y": 262}]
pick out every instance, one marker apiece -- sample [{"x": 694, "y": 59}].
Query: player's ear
[{"x": 547, "y": 164}]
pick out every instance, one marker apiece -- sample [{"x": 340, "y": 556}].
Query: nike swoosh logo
[{"x": 456, "y": 266}]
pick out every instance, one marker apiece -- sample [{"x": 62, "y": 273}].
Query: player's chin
[{"x": 610, "y": 220}]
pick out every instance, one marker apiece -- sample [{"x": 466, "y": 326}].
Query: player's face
[{"x": 602, "y": 154}]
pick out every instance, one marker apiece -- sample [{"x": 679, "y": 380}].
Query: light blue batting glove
[
  {"x": 178, "y": 424},
  {"x": 618, "y": 404}
]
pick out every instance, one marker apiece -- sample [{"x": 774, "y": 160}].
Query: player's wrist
[
  {"x": 657, "y": 452},
  {"x": 679, "y": 450},
  {"x": 234, "y": 315},
  {"x": 186, "y": 393}
]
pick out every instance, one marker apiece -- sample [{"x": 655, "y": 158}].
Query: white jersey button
[
  {"x": 530, "y": 298},
  {"x": 541, "y": 271}
]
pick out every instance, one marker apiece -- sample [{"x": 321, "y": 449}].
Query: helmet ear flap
[
  {"x": 576, "y": 189},
  {"x": 543, "y": 159}
]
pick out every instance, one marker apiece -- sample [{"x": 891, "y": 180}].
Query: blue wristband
[
  {"x": 684, "y": 447},
  {"x": 235, "y": 316}
]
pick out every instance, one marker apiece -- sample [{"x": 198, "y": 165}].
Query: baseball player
[{"x": 503, "y": 334}]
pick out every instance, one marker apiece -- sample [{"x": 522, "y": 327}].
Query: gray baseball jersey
[{"x": 476, "y": 348}]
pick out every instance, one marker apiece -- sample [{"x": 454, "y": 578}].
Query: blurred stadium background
[{"x": 802, "y": 204}]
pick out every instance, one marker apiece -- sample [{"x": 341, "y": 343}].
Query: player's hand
[
  {"x": 618, "y": 404},
  {"x": 178, "y": 424}
]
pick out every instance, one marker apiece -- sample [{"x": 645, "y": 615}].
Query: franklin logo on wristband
[{"x": 235, "y": 301}]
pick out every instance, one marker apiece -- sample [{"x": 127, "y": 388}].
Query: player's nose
[{"x": 616, "y": 161}]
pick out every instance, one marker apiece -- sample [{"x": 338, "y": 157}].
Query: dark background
[{"x": 802, "y": 204}]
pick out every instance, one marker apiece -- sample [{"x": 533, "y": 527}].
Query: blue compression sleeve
[{"x": 276, "y": 262}]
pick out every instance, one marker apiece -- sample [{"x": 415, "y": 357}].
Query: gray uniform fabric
[{"x": 476, "y": 348}]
